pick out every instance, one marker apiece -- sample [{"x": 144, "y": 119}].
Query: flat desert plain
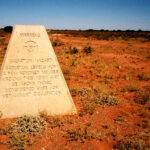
[{"x": 109, "y": 80}]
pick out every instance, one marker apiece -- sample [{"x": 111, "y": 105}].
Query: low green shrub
[
  {"x": 88, "y": 50},
  {"x": 74, "y": 50},
  {"x": 55, "y": 44}
]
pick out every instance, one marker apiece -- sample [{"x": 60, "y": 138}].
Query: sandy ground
[{"x": 112, "y": 64}]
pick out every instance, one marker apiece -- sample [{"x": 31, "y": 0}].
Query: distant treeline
[
  {"x": 98, "y": 34},
  {"x": 105, "y": 34}
]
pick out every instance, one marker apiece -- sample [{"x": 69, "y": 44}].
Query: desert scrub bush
[
  {"x": 73, "y": 91},
  {"x": 74, "y": 50},
  {"x": 8, "y": 28},
  {"x": 66, "y": 71},
  {"x": 105, "y": 100},
  {"x": 136, "y": 141},
  {"x": 144, "y": 77},
  {"x": 4, "y": 130},
  {"x": 143, "y": 95},
  {"x": 55, "y": 121},
  {"x": 88, "y": 50},
  {"x": 67, "y": 52},
  {"x": 81, "y": 91},
  {"x": 84, "y": 91},
  {"x": 81, "y": 134},
  {"x": 96, "y": 97},
  {"x": 131, "y": 144},
  {"x": 131, "y": 87},
  {"x": 22, "y": 129},
  {"x": 18, "y": 141},
  {"x": 73, "y": 63},
  {"x": 89, "y": 108},
  {"x": 28, "y": 125},
  {"x": 55, "y": 44}
]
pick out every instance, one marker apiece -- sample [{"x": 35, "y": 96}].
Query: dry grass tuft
[{"x": 143, "y": 95}]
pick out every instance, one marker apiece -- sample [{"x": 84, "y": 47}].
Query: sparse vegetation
[
  {"x": 143, "y": 95},
  {"x": 88, "y": 108},
  {"x": 105, "y": 34},
  {"x": 4, "y": 130},
  {"x": 19, "y": 141},
  {"x": 27, "y": 125},
  {"x": 96, "y": 97},
  {"x": 55, "y": 44},
  {"x": 106, "y": 100},
  {"x": 88, "y": 50},
  {"x": 110, "y": 88},
  {"x": 55, "y": 121},
  {"x": 66, "y": 71},
  {"x": 8, "y": 29},
  {"x": 74, "y": 50},
  {"x": 109, "y": 76},
  {"x": 80, "y": 134},
  {"x": 144, "y": 77},
  {"x": 22, "y": 129},
  {"x": 132, "y": 144},
  {"x": 3, "y": 43},
  {"x": 131, "y": 87},
  {"x": 73, "y": 63}
]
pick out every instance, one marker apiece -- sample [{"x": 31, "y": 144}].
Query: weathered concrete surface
[{"x": 31, "y": 79}]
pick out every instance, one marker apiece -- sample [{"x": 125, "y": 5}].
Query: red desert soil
[{"x": 113, "y": 66}]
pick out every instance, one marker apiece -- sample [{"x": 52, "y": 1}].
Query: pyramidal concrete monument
[{"x": 31, "y": 80}]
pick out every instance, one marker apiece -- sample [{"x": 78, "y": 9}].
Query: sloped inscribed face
[{"x": 31, "y": 79}]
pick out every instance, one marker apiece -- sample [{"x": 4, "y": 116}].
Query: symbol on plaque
[{"x": 31, "y": 46}]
